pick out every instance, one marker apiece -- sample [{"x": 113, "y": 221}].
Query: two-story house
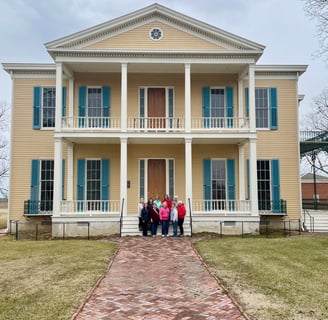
[{"x": 153, "y": 103}]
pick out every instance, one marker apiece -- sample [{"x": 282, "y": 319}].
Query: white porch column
[
  {"x": 240, "y": 102},
  {"x": 124, "y": 173},
  {"x": 124, "y": 96},
  {"x": 59, "y": 95},
  {"x": 251, "y": 98},
  {"x": 187, "y": 99},
  {"x": 70, "y": 170},
  {"x": 71, "y": 98},
  {"x": 57, "y": 196},
  {"x": 253, "y": 177},
  {"x": 188, "y": 168},
  {"x": 241, "y": 162}
]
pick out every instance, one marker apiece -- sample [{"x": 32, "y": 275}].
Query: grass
[
  {"x": 48, "y": 279},
  {"x": 282, "y": 278},
  {"x": 3, "y": 218}
]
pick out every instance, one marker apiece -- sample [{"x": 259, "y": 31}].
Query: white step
[{"x": 320, "y": 221}]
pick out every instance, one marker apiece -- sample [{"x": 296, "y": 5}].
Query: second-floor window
[
  {"x": 262, "y": 107},
  {"x": 94, "y": 102},
  {"x": 48, "y": 107}
]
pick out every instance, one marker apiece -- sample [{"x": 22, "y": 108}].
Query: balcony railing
[
  {"x": 43, "y": 207},
  {"x": 108, "y": 123},
  {"x": 272, "y": 207},
  {"x": 90, "y": 206},
  {"x": 155, "y": 124},
  {"x": 221, "y": 206},
  {"x": 219, "y": 123}
]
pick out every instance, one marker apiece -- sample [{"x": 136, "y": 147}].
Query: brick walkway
[{"x": 158, "y": 278}]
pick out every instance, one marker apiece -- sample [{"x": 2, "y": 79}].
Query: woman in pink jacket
[{"x": 164, "y": 215}]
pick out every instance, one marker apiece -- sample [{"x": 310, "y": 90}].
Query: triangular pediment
[{"x": 134, "y": 32}]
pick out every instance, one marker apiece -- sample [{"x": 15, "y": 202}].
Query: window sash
[
  {"x": 264, "y": 184},
  {"x": 218, "y": 179},
  {"x": 262, "y": 107},
  {"x": 48, "y": 107},
  {"x": 93, "y": 180},
  {"x": 217, "y": 103},
  {"x": 46, "y": 185},
  {"x": 94, "y": 102}
]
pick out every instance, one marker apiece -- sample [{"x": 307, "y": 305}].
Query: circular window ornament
[{"x": 156, "y": 34}]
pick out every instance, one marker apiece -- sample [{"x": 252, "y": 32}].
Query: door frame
[{"x": 167, "y": 175}]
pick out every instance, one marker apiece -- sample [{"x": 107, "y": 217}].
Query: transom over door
[
  {"x": 156, "y": 107},
  {"x": 156, "y": 178}
]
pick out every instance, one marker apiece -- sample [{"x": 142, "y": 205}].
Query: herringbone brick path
[{"x": 158, "y": 278}]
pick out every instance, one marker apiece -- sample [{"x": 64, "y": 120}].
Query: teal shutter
[
  {"x": 206, "y": 97},
  {"x": 171, "y": 123},
  {"x": 141, "y": 108},
  {"x": 64, "y": 102},
  {"x": 82, "y": 105},
  {"x": 229, "y": 106},
  {"x": 207, "y": 167},
  {"x": 275, "y": 186},
  {"x": 105, "y": 178},
  {"x": 231, "y": 183},
  {"x": 37, "y": 107},
  {"x": 80, "y": 182},
  {"x": 273, "y": 109},
  {"x": 247, "y": 102},
  {"x": 248, "y": 181},
  {"x": 34, "y": 191},
  {"x": 63, "y": 179},
  {"x": 141, "y": 178},
  {"x": 106, "y": 107},
  {"x": 171, "y": 178}
]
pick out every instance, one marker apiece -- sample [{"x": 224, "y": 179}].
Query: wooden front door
[
  {"x": 156, "y": 108},
  {"x": 156, "y": 178}
]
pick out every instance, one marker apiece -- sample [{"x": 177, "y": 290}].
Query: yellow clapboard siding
[{"x": 138, "y": 38}]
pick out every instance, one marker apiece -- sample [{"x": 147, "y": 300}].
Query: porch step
[
  {"x": 320, "y": 221},
  {"x": 130, "y": 227}
]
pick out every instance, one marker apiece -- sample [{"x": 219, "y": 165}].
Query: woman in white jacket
[{"x": 174, "y": 219}]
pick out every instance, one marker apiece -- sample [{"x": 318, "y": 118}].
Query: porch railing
[
  {"x": 218, "y": 123},
  {"x": 108, "y": 123},
  {"x": 43, "y": 207},
  {"x": 156, "y": 123},
  {"x": 273, "y": 207},
  {"x": 90, "y": 206},
  {"x": 222, "y": 206}
]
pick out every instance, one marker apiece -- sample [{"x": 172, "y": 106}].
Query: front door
[
  {"x": 156, "y": 178},
  {"x": 156, "y": 108}
]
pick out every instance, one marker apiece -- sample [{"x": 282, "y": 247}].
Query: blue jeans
[
  {"x": 175, "y": 228},
  {"x": 154, "y": 228},
  {"x": 165, "y": 227}
]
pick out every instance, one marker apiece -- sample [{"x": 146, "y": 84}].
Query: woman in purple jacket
[{"x": 164, "y": 215}]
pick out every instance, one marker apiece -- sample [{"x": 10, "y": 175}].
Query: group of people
[{"x": 161, "y": 212}]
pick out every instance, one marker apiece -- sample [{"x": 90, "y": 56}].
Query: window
[
  {"x": 94, "y": 102},
  {"x": 217, "y": 103},
  {"x": 264, "y": 184},
  {"x": 218, "y": 183},
  {"x": 48, "y": 107},
  {"x": 93, "y": 183},
  {"x": 46, "y": 185},
  {"x": 262, "y": 107}
]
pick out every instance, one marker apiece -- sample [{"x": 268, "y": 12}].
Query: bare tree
[
  {"x": 318, "y": 10},
  {"x": 4, "y": 148}
]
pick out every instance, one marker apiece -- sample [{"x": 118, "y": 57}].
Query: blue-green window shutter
[
  {"x": 37, "y": 107},
  {"x": 248, "y": 180},
  {"x": 275, "y": 186},
  {"x": 64, "y": 102},
  {"x": 247, "y": 102},
  {"x": 34, "y": 191},
  {"x": 105, "y": 178},
  {"x": 231, "y": 180},
  {"x": 80, "y": 182},
  {"x": 207, "y": 168},
  {"x": 273, "y": 109},
  {"x": 171, "y": 111},
  {"x": 142, "y": 178},
  {"x": 82, "y": 105},
  {"x": 141, "y": 108},
  {"x": 171, "y": 178},
  {"x": 63, "y": 179},
  {"x": 229, "y": 106},
  {"x": 106, "y": 101},
  {"x": 206, "y": 98}
]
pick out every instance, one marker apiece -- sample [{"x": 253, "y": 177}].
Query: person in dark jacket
[
  {"x": 154, "y": 219},
  {"x": 145, "y": 219}
]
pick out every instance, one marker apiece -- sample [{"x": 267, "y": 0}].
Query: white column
[
  {"x": 59, "y": 95},
  {"x": 188, "y": 168},
  {"x": 71, "y": 98},
  {"x": 253, "y": 177},
  {"x": 57, "y": 197},
  {"x": 124, "y": 173},
  {"x": 251, "y": 98},
  {"x": 241, "y": 162},
  {"x": 240, "y": 102},
  {"x": 124, "y": 96},
  {"x": 70, "y": 170},
  {"x": 187, "y": 99}
]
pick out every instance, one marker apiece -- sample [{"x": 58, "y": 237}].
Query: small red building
[{"x": 308, "y": 189}]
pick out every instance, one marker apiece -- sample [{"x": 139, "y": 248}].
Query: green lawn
[
  {"x": 285, "y": 278},
  {"x": 48, "y": 279}
]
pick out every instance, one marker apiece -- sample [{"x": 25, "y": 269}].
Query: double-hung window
[
  {"x": 217, "y": 108},
  {"x": 48, "y": 107},
  {"x": 264, "y": 184},
  {"x": 94, "y": 107},
  {"x": 262, "y": 107}
]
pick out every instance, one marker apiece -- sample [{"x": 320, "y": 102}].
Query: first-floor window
[
  {"x": 218, "y": 183},
  {"x": 46, "y": 185},
  {"x": 264, "y": 184},
  {"x": 93, "y": 182}
]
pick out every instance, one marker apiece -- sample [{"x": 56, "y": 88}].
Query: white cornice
[{"x": 300, "y": 69}]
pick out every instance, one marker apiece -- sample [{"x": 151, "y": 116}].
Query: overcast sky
[{"x": 280, "y": 25}]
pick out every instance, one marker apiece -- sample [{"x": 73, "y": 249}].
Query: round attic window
[{"x": 156, "y": 34}]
